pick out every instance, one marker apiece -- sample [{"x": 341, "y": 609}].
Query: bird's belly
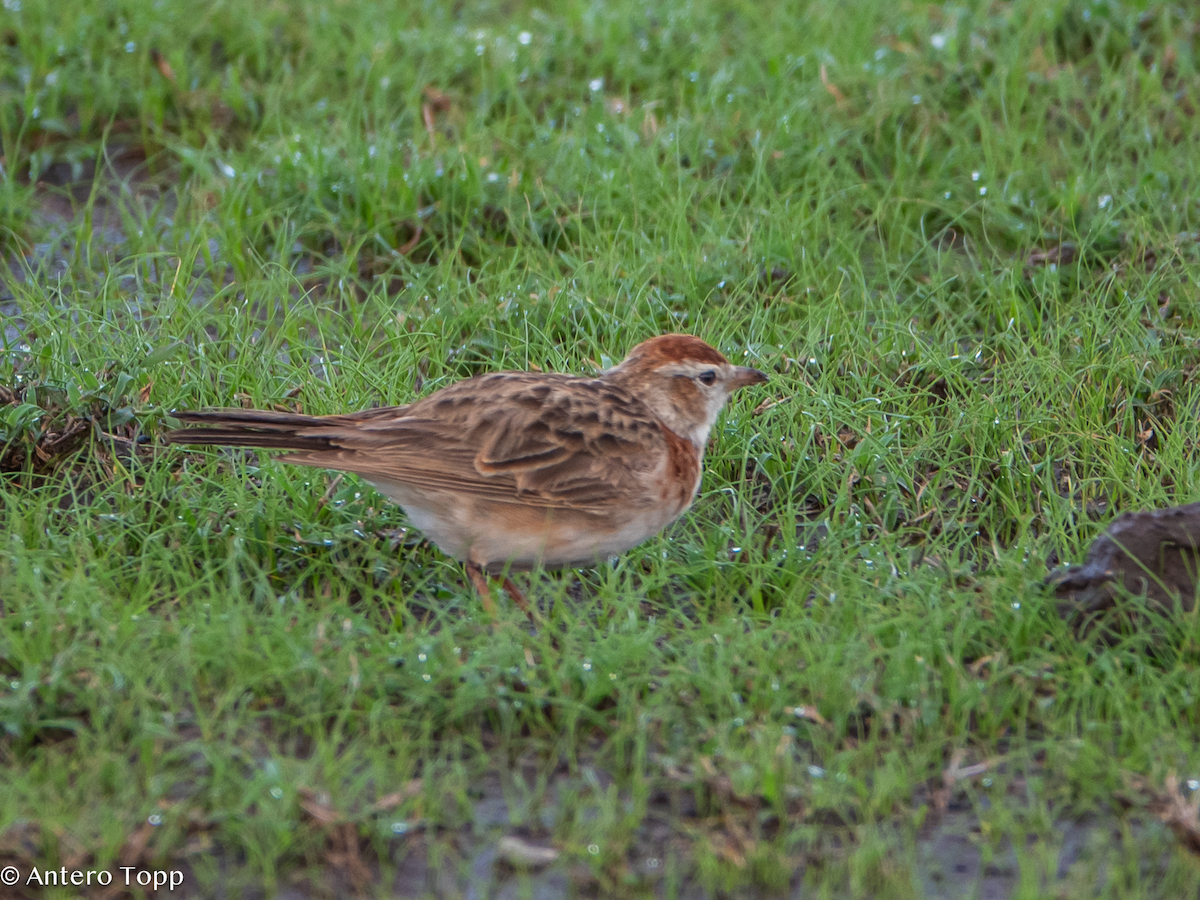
[
  {"x": 509, "y": 535},
  {"x": 572, "y": 543}
]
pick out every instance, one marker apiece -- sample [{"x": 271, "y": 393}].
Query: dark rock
[{"x": 1156, "y": 553}]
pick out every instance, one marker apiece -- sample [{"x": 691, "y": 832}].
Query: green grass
[{"x": 983, "y": 336}]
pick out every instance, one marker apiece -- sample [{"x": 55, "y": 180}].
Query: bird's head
[{"x": 683, "y": 380}]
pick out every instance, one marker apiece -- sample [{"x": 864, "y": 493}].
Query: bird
[{"x": 511, "y": 471}]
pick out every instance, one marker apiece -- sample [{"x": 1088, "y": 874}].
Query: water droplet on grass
[
  {"x": 399, "y": 827},
  {"x": 816, "y": 771},
  {"x": 524, "y": 38},
  {"x": 155, "y": 820},
  {"x": 594, "y": 849},
  {"x": 938, "y": 41},
  {"x": 596, "y": 84},
  {"x": 277, "y": 793},
  {"x": 1105, "y": 201}
]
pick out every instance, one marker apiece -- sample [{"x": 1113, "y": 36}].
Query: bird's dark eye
[{"x": 708, "y": 378}]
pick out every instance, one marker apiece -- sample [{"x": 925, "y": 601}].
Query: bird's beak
[{"x": 743, "y": 376}]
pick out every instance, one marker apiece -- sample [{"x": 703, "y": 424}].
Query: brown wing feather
[{"x": 532, "y": 439}]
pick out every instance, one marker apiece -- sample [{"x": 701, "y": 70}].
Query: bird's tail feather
[{"x": 251, "y": 428}]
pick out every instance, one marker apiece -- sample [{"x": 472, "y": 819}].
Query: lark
[{"x": 512, "y": 471}]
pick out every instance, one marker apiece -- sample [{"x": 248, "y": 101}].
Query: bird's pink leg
[
  {"x": 517, "y": 594},
  {"x": 479, "y": 579}
]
